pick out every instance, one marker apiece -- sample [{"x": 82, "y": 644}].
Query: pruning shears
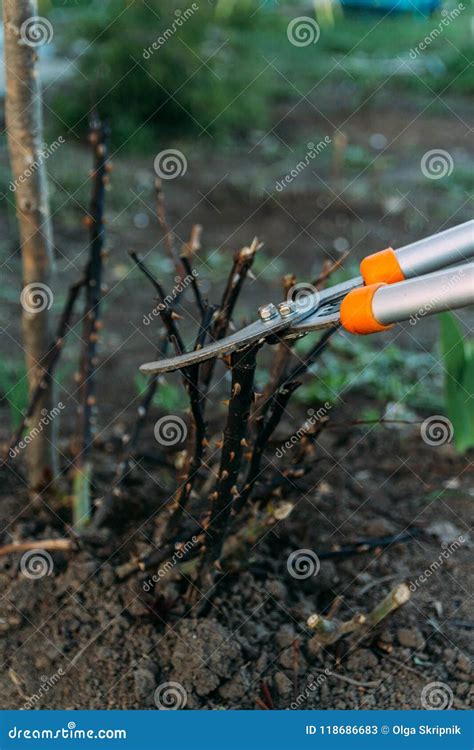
[{"x": 417, "y": 280}]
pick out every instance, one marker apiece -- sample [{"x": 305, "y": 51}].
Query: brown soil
[{"x": 115, "y": 643}]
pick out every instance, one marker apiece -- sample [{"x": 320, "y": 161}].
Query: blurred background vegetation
[{"x": 199, "y": 83}]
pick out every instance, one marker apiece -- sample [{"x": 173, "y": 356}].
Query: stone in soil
[{"x": 410, "y": 638}]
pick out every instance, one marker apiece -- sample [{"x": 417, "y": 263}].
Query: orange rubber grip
[
  {"x": 356, "y": 311},
  {"x": 382, "y": 266}
]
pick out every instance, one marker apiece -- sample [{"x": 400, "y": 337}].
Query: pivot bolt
[
  {"x": 267, "y": 312},
  {"x": 286, "y": 308}
]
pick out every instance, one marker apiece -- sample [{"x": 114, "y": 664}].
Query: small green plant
[
  {"x": 14, "y": 390},
  {"x": 386, "y": 373},
  {"x": 458, "y": 359}
]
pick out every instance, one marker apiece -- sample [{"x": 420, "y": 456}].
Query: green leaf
[
  {"x": 459, "y": 381},
  {"x": 452, "y": 345}
]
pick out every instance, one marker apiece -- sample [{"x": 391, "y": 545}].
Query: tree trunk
[{"x": 23, "y": 111}]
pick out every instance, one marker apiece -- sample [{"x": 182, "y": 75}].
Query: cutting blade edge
[{"x": 251, "y": 334}]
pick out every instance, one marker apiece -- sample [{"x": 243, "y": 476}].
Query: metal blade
[
  {"x": 248, "y": 335},
  {"x": 262, "y": 330},
  {"x": 327, "y": 314}
]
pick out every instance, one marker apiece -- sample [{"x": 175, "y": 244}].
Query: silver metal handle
[
  {"x": 416, "y": 298},
  {"x": 438, "y": 251}
]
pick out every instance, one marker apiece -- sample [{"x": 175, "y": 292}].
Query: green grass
[{"x": 386, "y": 373}]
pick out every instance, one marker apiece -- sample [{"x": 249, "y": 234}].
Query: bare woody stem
[
  {"x": 47, "y": 544},
  {"x": 243, "y": 261},
  {"x": 49, "y": 366},
  {"x": 129, "y": 440},
  {"x": 243, "y": 372},
  {"x": 168, "y": 316},
  {"x": 264, "y": 433},
  {"x": 276, "y": 405},
  {"x": 329, "y": 631},
  {"x": 284, "y": 348},
  {"x": 309, "y": 358},
  {"x": 329, "y": 269},
  {"x": 197, "y": 440},
  {"x": 168, "y": 236},
  {"x": 99, "y": 139},
  {"x": 187, "y": 253}
]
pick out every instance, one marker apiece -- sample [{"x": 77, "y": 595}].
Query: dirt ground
[
  {"x": 112, "y": 643},
  {"x": 81, "y": 637}
]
